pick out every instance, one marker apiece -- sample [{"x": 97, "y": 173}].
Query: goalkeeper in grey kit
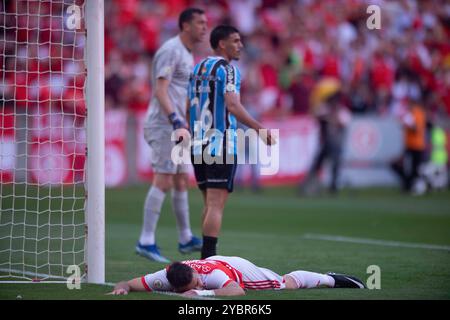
[{"x": 172, "y": 65}]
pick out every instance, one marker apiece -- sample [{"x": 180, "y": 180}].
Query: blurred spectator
[
  {"x": 361, "y": 100},
  {"x": 333, "y": 119},
  {"x": 415, "y": 124}
]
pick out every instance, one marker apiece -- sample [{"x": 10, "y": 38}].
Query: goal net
[{"x": 43, "y": 140}]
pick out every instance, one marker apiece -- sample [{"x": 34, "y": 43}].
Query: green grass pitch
[{"x": 269, "y": 229}]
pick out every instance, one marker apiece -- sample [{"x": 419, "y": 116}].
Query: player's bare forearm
[
  {"x": 188, "y": 115},
  {"x": 161, "y": 93},
  {"x": 233, "y": 289},
  {"x": 136, "y": 285},
  {"x": 124, "y": 287},
  {"x": 235, "y": 107}
]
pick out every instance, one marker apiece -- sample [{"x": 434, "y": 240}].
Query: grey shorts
[{"x": 158, "y": 138}]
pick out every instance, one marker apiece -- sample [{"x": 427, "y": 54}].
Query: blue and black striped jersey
[{"x": 208, "y": 83}]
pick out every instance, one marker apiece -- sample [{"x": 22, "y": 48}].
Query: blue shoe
[
  {"x": 151, "y": 252},
  {"x": 194, "y": 245}
]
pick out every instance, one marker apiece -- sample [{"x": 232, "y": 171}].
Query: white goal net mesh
[{"x": 42, "y": 139}]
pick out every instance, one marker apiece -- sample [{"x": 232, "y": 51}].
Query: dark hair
[
  {"x": 179, "y": 275},
  {"x": 221, "y": 33},
  {"x": 187, "y": 15}
]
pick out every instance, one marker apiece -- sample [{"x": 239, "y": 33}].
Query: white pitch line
[
  {"x": 109, "y": 284},
  {"x": 29, "y": 273},
  {"x": 313, "y": 236}
]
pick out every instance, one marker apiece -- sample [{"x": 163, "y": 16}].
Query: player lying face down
[{"x": 229, "y": 276}]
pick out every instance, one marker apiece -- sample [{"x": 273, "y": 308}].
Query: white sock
[
  {"x": 152, "y": 208},
  {"x": 306, "y": 279},
  {"x": 180, "y": 206}
]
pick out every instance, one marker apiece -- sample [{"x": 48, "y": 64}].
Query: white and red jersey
[{"x": 217, "y": 272}]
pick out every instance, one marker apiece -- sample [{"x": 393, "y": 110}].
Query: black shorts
[{"x": 215, "y": 175}]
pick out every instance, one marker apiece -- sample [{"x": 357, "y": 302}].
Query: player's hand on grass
[
  {"x": 118, "y": 292},
  {"x": 122, "y": 288},
  {"x": 190, "y": 293}
]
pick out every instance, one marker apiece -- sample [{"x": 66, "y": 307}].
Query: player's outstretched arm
[
  {"x": 232, "y": 289},
  {"x": 124, "y": 287},
  {"x": 235, "y": 107}
]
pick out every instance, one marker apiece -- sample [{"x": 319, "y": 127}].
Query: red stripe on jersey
[
  {"x": 144, "y": 283},
  {"x": 262, "y": 284},
  {"x": 236, "y": 275},
  {"x": 258, "y": 285},
  {"x": 261, "y": 281},
  {"x": 261, "y": 288}
]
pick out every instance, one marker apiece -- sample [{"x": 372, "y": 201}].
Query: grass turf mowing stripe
[{"x": 313, "y": 236}]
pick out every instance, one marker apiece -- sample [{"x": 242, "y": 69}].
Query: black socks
[{"x": 209, "y": 247}]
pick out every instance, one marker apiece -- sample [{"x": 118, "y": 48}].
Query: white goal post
[
  {"x": 52, "y": 180},
  {"x": 95, "y": 95}
]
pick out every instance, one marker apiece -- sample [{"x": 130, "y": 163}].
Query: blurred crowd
[
  {"x": 42, "y": 57},
  {"x": 290, "y": 45},
  {"x": 291, "y": 48}
]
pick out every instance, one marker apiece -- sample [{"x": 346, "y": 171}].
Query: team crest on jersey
[
  {"x": 157, "y": 284},
  {"x": 167, "y": 70},
  {"x": 230, "y": 87}
]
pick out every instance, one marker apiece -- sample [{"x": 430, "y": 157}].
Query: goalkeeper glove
[{"x": 175, "y": 121}]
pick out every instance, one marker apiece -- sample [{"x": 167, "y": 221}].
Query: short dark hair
[
  {"x": 187, "y": 15},
  {"x": 221, "y": 33},
  {"x": 179, "y": 275}
]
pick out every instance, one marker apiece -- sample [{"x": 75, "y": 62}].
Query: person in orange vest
[{"x": 414, "y": 128}]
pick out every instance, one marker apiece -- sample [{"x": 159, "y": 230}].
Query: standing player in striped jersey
[
  {"x": 172, "y": 64},
  {"x": 230, "y": 276},
  {"x": 214, "y": 106}
]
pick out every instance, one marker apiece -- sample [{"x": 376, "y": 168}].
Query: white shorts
[
  {"x": 254, "y": 277},
  {"x": 158, "y": 138}
]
